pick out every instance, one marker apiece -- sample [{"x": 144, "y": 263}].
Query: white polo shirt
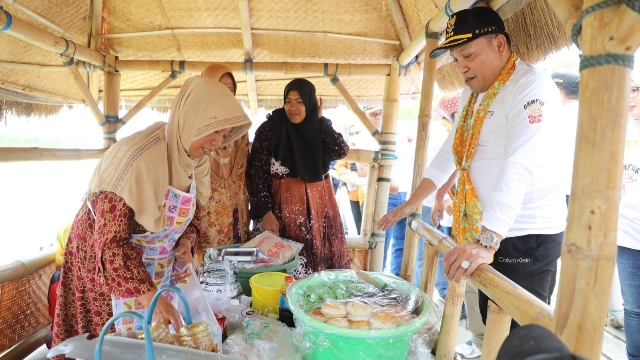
[
  {"x": 569, "y": 125},
  {"x": 629, "y": 218},
  {"x": 515, "y": 166}
]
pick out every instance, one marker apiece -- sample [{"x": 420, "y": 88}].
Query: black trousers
[{"x": 530, "y": 261}]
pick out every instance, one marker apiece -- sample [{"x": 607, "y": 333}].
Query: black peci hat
[
  {"x": 468, "y": 25},
  {"x": 566, "y": 79}
]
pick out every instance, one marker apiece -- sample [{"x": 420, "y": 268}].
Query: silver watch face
[{"x": 487, "y": 239}]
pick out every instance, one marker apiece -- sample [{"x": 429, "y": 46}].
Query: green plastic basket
[
  {"x": 244, "y": 275},
  {"x": 333, "y": 343}
]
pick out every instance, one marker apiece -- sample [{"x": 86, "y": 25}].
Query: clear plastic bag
[
  {"x": 262, "y": 338},
  {"x": 348, "y": 315},
  {"x": 277, "y": 250},
  {"x": 200, "y": 310},
  {"x": 196, "y": 336},
  {"x": 219, "y": 284}
]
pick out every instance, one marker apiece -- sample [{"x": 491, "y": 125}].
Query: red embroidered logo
[{"x": 534, "y": 107}]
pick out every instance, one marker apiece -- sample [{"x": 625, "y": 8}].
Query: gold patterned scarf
[{"x": 467, "y": 211}]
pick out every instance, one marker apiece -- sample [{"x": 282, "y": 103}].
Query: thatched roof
[{"x": 314, "y": 34}]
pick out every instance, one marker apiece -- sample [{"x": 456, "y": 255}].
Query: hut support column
[
  {"x": 450, "y": 319},
  {"x": 369, "y": 204},
  {"x": 245, "y": 25},
  {"x": 96, "y": 29},
  {"x": 390, "y": 107},
  {"x": 589, "y": 248},
  {"x": 111, "y": 101},
  {"x": 145, "y": 100},
  {"x": 498, "y": 326},
  {"x": 422, "y": 143},
  {"x": 84, "y": 90},
  {"x": 353, "y": 105}
]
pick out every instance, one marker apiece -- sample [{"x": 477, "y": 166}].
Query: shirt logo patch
[
  {"x": 534, "y": 107},
  {"x": 489, "y": 115}
]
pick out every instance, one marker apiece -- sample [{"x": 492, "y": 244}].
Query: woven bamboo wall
[{"x": 23, "y": 306}]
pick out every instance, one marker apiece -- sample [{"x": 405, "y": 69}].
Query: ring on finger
[{"x": 465, "y": 264}]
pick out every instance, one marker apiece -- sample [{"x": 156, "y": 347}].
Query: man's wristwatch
[{"x": 488, "y": 239}]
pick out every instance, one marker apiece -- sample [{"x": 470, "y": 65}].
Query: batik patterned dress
[{"x": 307, "y": 212}]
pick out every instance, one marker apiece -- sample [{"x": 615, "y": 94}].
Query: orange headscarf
[{"x": 215, "y": 72}]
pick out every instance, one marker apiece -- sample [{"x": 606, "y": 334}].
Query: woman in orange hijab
[{"x": 227, "y": 212}]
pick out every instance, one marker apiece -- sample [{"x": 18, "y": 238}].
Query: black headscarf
[{"x": 298, "y": 146}]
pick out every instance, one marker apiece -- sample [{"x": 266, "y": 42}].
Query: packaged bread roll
[
  {"x": 318, "y": 315},
  {"x": 358, "y": 311},
  {"x": 334, "y": 309}
]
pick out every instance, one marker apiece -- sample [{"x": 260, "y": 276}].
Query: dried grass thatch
[
  {"x": 297, "y": 42},
  {"x": 26, "y": 109}
]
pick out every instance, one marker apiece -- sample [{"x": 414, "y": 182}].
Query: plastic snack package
[
  {"x": 196, "y": 336},
  {"x": 278, "y": 250},
  {"x": 219, "y": 283},
  {"x": 200, "y": 310}
]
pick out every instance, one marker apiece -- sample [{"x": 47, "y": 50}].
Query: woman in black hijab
[{"x": 289, "y": 187}]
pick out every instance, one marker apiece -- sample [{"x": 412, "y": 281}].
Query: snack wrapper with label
[{"x": 278, "y": 250}]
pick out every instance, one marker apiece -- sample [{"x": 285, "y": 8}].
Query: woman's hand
[
  {"x": 164, "y": 311},
  {"x": 270, "y": 223},
  {"x": 183, "y": 258},
  {"x": 391, "y": 218}
]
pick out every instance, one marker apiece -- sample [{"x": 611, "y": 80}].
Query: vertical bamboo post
[
  {"x": 498, "y": 325},
  {"x": 589, "y": 248},
  {"x": 354, "y": 107},
  {"x": 428, "y": 278},
  {"x": 390, "y": 107},
  {"x": 96, "y": 29},
  {"x": 422, "y": 144},
  {"x": 86, "y": 94},
  {"x": 369, "y": 201},
  {"x": 245, "y": 25},
  {"x": 111, "y": 101},
  {"x": 450, "y": 319},
  {"x": 145, "y": 100}
]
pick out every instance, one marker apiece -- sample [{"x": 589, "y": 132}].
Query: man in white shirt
[
  {"x": 568, "y": 85},
  {"x": 513, "y": 205}
]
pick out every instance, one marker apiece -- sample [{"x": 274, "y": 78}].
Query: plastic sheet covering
[
  {"x": 262, "y": 338},
  {"x": 348, "y": 315}
]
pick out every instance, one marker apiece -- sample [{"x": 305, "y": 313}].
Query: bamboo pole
[
  {"x": 361, "y": 156},
  {"x": 171, "y": 92},
  {"x": 247, "y": 41},
  {"x": 428, "y": 278},
  {"x": 498, "y": 325},
  {"x": 355, "y": 108},
  {"x": 357, "y": 242},
  {"x": 12, "y": 65},
  {"x": 34, "y": 35},
  {"x": 589, "y": 247},
  {"x": 278, "y": 68},
  {"x": 420, "y": 163},
  {"x": 20, "y": 269},
  {"x": 94, "y": 43},
  {"x": 25, "y": 90},
  {"x": 403, "y": 31},
  {"x": 14, "y": 154},
  {"x": 86, "y": 94},
  {"x": 390, "y": 107},
  {"x": 254, "y": 31},
  {"x": 519, "y": 303},
  {"x": 369, "y": 201},
  {"x": 438, "y": 23},
  {"x": 111, "y": 101},
  {"x": 150, "y": 96},
  {"x": 450, "y": 319}
]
